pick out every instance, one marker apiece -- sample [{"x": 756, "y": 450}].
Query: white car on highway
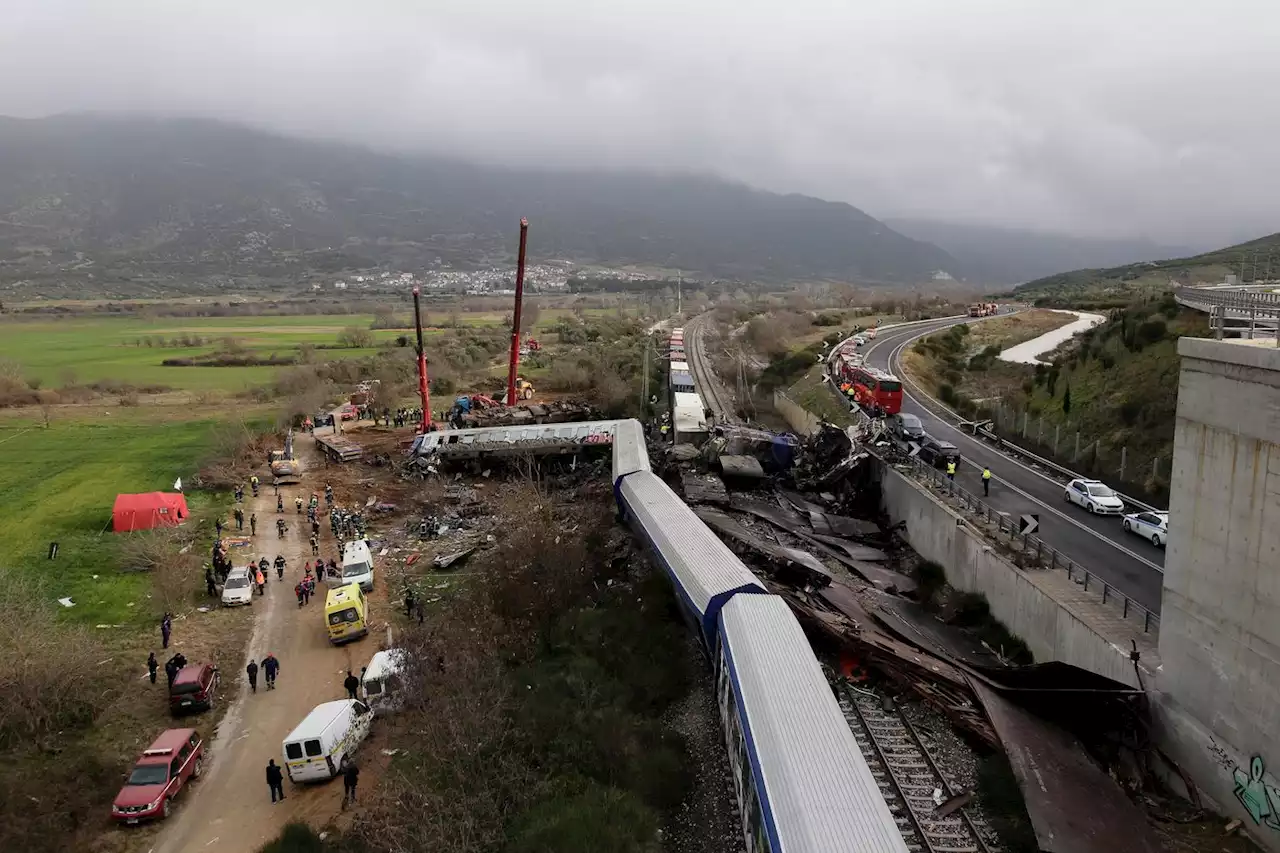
[
  {"x": 1094, "y": 496},
  {"x": 1152, "y": 526}
]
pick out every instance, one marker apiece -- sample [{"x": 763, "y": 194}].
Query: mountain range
[
  {"x": 127, "y": 199},
  {"x": 1005, "y": 256},
  {"x": 1254, "y": 261}
]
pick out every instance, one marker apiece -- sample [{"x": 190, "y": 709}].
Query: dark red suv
[
  {"x": 193, "y": 689},
  {"x": 162, "y": 771}
]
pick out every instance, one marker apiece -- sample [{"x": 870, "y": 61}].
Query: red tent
[{"x": 143, "y": 512}]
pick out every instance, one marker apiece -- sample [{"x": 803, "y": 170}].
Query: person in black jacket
[
  {"x": 152, "y": 666},
  {"x": 270, "y": 666},
  {"x": 349, "y": 779},
  {"x": 352, "y": 684},
  {"x": 252, "y": 671},
  {"x": 275, "y": 780}
]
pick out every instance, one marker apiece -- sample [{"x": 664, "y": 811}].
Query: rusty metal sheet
[
  {"x": 703, "y": 488},
  {"x": 911, "y": 622},
  {"x": 853, "y": 550},
  {"x": 885, "y": 580},
  {"x": 722, "y": 523},
  {"x": 1074, "y": 806},
  {"x": 786, "y": 519}
]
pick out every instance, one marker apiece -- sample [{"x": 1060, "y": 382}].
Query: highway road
[{"x": 1097, "y": 543}]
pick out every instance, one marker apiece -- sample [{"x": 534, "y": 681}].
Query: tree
[
  {"x": 529, "y": 314},
  {"x": 1066, "y": 401},
  {"x": 355, "y": 337}
]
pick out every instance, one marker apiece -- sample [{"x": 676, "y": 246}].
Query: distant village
[{"x": 491, "y": 281}]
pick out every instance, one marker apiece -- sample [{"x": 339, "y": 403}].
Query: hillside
[
  {"x": 119, "y": 201},
  {"x": 1007, "y": 256},
  {"x": 1250, "y": 261}
]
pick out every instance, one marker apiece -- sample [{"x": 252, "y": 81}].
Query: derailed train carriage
[{"x": 801, "y": 781}]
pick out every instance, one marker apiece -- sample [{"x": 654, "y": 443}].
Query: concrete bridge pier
[{"x": 1217, "y": 697}]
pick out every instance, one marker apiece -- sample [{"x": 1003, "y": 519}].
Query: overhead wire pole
[
  {"x": 515, "y": 321},
  {"x": 424, "y": 388}
]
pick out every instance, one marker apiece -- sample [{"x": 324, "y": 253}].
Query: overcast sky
[{"x": 1127, "y": 117}]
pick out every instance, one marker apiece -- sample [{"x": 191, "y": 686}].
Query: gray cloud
[{"x": 1127, "y": 118}]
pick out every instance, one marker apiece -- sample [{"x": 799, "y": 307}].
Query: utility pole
[
  {"x": 679, "y": 295},
  {"x": 644, "y": 377}
]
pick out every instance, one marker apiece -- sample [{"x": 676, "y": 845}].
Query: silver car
[{"x": 1152, "y": 526}]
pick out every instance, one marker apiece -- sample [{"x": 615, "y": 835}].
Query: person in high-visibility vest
[
  {"x": 986, "y": 481},
  {"x": 951, "y": 470}
]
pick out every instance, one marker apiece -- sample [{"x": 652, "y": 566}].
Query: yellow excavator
[{"x": 283, "y": 465}]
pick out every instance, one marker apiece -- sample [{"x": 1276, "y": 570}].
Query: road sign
[
  {"x": 1028, "y": 523},
  {"x": 915, "y": 448}
]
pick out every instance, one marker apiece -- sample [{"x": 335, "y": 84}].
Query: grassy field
[
  {"x": 91, "y": 349},
  {"x": 59, "y": 485}
]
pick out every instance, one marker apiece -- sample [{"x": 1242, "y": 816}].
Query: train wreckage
[{"x": 804, "y": 515}]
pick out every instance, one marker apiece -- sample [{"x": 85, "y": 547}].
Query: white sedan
[
  {"x": 1095, "y": 497},
  {"x": 238, "y": 588},
  {"x": 1152, "y": 526}
]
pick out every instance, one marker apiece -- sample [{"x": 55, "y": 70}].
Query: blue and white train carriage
[{"x": 802, "y": 783}]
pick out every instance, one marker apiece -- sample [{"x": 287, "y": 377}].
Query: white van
[
  {"x": 320, "y": 746},
  {"x": 357, "y": 564},
  {"x": 380, "y": 680}
]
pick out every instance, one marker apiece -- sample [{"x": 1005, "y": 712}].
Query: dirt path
[{"x": 231, "y": 810}]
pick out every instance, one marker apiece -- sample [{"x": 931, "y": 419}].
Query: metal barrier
[
  {"x": 1029, "y": 551},
  {"x": 1243, "y": 304}
]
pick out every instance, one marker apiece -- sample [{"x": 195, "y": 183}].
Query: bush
[
  {"x": 296, "y": 837},
  {"x": 947, "y": 393},
  {"x": 1152, "y": 331}
]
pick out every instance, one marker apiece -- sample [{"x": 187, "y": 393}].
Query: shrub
[
  {"x": 947, "y": 393},
  {"x": 1152, "y": 331}
]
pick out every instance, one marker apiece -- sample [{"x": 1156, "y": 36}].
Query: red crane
[
  {"x": 423, "y": 387},
  {"x": 515, "y": 323}
]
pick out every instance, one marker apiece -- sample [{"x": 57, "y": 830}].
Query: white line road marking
[{"x": 894, "y": 356}]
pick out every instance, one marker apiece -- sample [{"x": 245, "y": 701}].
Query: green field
[
  {"x": 89, "y": 349},
  {"x": 59, "y": 485}
]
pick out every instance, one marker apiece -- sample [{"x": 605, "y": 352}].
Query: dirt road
[{"x": 230, "y": 809}]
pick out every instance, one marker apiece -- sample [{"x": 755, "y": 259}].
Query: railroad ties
[{"x": 907, "y": 775}]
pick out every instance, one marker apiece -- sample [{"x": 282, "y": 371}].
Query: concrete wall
[
  {"x": 801, "y": 421},
  {"x": 1017, "y": 598},
  {"x": 1220, "y": 625}
]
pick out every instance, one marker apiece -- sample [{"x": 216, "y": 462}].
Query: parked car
[
  {"x": 907, "y": 427},
  {"x": 238, "y": 588},
  {"x": 938, "y": 453},
  {"x": 859, "y": 340},
  {"x": 194, "y": 688},
  {"x": 348, "y": 412},
  {"x": 1152, "y": 526},
  {"x": 1094, "y": 496},
  {"x": 161, "y": 772}
]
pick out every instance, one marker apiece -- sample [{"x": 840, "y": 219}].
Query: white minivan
[
  {"x": 380, "y": 681},
  {"x": 322, "y": 744},
  {"x": 357, "y": 564}
]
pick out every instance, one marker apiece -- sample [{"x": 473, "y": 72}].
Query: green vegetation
[
  {"x": 546, "y": 695},
  {"x": 813, "y": 394},
  {"x": 1117, "y": 286},
  {"x": 59, "y": 485},
  {"x": 1118, "y": 386}
]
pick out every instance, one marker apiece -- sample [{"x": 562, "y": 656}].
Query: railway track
[
  {"x": 908, "y": 777},
  {"x": 714, "y": 397}
]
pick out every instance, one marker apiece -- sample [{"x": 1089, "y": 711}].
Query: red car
[
  {"x": 193, "y": 689},
  {"x": 348, "y": 412},
  {"x": 162, "y": 771}
]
